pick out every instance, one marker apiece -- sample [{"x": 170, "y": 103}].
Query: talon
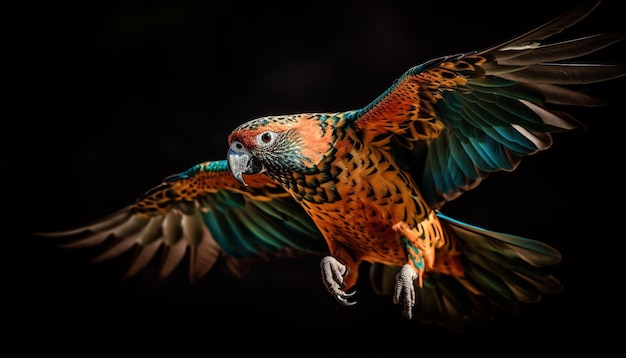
[
  {"x": 349, "y": 294},
  {"x": 333, "y": 273},
  {"x": 343, "y": 298}
]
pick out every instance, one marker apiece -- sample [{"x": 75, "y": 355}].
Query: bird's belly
[{"x": 363, "y": 224}]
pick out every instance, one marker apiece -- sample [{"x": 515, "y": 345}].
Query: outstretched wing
[
  {"x": 455, "y": 119},
  {"x": 205, "y": 213}
]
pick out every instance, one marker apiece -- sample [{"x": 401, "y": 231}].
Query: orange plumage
[{"x": 368, "y": 185}]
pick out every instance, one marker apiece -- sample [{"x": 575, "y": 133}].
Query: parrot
[{"x": 369, "y": 185}]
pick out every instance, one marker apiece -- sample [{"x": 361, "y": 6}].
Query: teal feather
[
  {"x": 504, "y": 100},
  {"x": 495, "y": 127},
  {"x": 451, "y": 112},
  {"x": 513, "y": 140},
  {"x": 492, "y": 152},
  {"x": 498, "y": 123},
  {"x": 457, "y": 176},
  {"x": 292, "y": 227},
  {"x": 230, "y": 247},
  {"x": 474, "y": 154},
  {"x": 462, "y": 159},
  {"x": 500, "y": 271},
  {"x": 227, "y": 200},
  {"x": 491, "y": 107},
  {"x": 516, "y": 112},
  {"x": 240, "y": 222},
  {"x": 258, "y": 227},
  {"x": 473, "y": 121},
  {"x": 439, "y": 170},
  {"x": 226, "y": 231},
  {"x": 501, "y": 112},
  {"x": 270, "y": 234},
  {"x": 522, "y": 115},
  {"x": 292, "y": 217}
]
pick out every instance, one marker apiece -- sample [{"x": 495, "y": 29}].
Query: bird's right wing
[
  {"x": 205, "y": 213},
  {"x": 459, "y": 118}
]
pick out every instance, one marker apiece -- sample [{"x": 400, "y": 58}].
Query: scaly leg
[
  {"x": 404, "y": 292},
  {"x": 421, "y": 255},
  {"x": 333, "y": 273}
]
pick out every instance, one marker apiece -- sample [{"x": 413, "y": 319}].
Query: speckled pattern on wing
[
  {"x": 408, "y": 108},
  {"x": 367, "y": 185},
  {"x": 199, "y": 180}
]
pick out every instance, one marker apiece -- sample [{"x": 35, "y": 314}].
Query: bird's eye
[{"x": 266, "y": 138}]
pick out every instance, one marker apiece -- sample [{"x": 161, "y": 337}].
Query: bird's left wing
[
  {"x": 205, "y": 213},
  {"x": 455, "y": 119}
]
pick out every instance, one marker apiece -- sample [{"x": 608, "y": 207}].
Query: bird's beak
[{"x": 240, "y": 162}]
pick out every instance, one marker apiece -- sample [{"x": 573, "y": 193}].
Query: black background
[{"x": 107, "y": 98}]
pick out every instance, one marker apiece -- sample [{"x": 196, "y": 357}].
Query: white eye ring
[{"x": 266, "y": 139}]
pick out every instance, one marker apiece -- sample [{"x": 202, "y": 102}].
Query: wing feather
[
  {"x": 490, "y": 108},
  {"x": 203, "y": 256},
  {"x": 563, "y": 50},
  {"x": 203, "y": 214},
  {"x": 144, "y": 253},
  {"x": 172, "y": 256}
]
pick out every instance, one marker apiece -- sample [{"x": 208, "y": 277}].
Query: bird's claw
[
  {"x": 333, "y": 273},
  {"x": 405, "y": 290},
  {"x": 343, "y": 298}
]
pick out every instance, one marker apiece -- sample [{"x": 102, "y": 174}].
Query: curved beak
[{"x": 240, "y": 162}]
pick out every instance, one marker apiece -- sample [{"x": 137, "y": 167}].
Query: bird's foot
[
  {"x": 404, "y": 292},
  {"x": 333, "y": 273}
]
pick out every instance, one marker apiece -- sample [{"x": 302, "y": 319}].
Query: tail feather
[
  {"x": 534, "y": 252},
  {"x": 517, "y": 284},
  {"x": 429, "y": 308},
  {"x": 500, "y": 271},
  {"x": 492, "y": 286}
]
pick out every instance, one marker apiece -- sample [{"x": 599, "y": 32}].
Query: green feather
[{"x": 462, "y": 158}]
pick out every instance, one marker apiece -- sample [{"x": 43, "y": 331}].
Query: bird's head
[{"x": 278, "y": 146}]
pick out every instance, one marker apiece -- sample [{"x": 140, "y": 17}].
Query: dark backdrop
[{"x": 111, "y": 97}]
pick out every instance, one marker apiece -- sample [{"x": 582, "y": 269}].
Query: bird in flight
[{"x": 369, "y": 185}]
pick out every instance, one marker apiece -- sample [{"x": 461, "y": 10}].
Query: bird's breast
[{"x": 373, "y": 194}]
